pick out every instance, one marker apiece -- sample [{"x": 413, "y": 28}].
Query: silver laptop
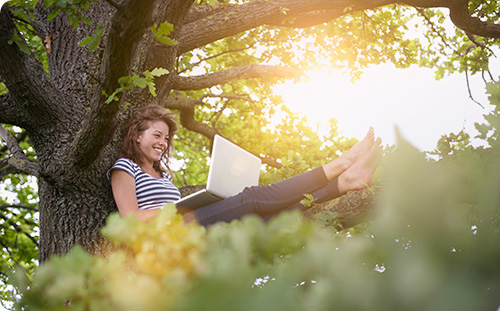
[{"x": 231, "y": 170}]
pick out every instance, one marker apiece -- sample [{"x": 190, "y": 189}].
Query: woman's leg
[
  {"x": 352, "y": 171},
  {"x": 329, "y": 192},
  {"x": 264, "y": 200},
  {"x": 357, "y": 177}
]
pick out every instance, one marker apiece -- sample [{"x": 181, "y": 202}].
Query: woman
[{"x": 142, "y": 184}]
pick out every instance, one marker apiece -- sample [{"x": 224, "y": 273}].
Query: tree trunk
[
  {"x": 74, "y": 193},
  {"x": 72, "y": 214}
]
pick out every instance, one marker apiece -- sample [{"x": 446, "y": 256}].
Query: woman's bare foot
[
  {"x": 340, "y": 165},
  {"x": 361, "y": 148},
  {"x": 359, "y": 175}
]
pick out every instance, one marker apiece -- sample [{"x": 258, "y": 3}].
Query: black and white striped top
[{"x": 151, "y": 192}]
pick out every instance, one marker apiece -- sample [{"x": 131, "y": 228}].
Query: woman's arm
[{"x": 123, "y": 186}]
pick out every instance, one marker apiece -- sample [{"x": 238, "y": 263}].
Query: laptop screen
[{"x": 231, "y": 169}]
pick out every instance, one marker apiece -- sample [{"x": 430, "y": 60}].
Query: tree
[
  {"x": 73, "y": 101},
  {"x": 19, "y": 225}
]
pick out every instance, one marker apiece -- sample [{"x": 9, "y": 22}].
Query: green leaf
[
  {"x": 86, "y": 41},
  {"x": 161, "y": 33},
  {"x": 140, "y": 82},
  {"x": 53, "y": 14},
  {"x": 167, "y": 41},
  {"x": 152, "y": 89},
  {"x": 157, "y": 72},
  {"x": 93, "y": 41},
  {"x": 284, "y": 10},
  {"x": 125, "y": 81}
]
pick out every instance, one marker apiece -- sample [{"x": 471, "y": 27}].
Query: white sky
[{"x": 385, "y": 97}]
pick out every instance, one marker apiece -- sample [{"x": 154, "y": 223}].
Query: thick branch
[
  {"x": 128, "y": 25},
  {"x": 30, "y": 91},
  {"x": 19, "y": 159},
  {"x": 460, "y": 16},
  {"x": 237, "y": 73},
  {"x": 354, "y": 208},
  {"x": 209, "y": 24},
  {"x": 8, "y": 170},
  {"x": 228, "y": 96},
  {"x": 186, "y": 106}
]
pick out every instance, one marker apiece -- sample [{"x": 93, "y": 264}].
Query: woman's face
[{"x": 153, "y": 141}]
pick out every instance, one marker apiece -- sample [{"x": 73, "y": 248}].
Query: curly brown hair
[{"x": 140, "y": 122}]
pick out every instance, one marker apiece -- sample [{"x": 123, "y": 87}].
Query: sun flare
[{"x": 385, "y": 97}]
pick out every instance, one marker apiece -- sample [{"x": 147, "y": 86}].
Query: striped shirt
[{"x": 151, "y": 192}]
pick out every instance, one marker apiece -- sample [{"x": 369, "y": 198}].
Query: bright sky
[{"x": 385, "y": 97}]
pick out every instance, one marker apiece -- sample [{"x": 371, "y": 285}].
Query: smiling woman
[
  {"x": 141, "y": 185},
  {"x": 153, "y": 143},
  {"x": 411, "y": 99},
  {"x": 140, "y": 178}
]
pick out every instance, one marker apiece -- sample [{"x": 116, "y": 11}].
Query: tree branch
[
  {"x": 128, "y": 24},
  {"x": 460, "y": 16},
  {"x": 8, "y": 170},
  {"x": 473, "y": 39},
  {"x": 220, "y": 22},
  {"x": 469, "y": 89},
  {"x": 22, "y": 136},
  {"x": 431, "y": 24},
  {"x": 186, "y": 107},
  {"x": 208, "y": 24},
  {"x": 237, "y": 73},
  {"x": 228, "y": 96},
  {"x": 30, "y": 92},
  {"x": 214, "y": 56},
  {"x": 7, "y": 207},
  {"x": 19, "y": 229},
  {"x": 19, "y": 160}
]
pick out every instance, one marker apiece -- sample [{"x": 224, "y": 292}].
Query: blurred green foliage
[{"x": 433, "y": 245}]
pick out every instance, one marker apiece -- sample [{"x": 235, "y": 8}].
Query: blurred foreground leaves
[{"x": 433, "y": 245}]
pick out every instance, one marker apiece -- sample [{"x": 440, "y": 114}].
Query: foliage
[
  {"x": 93, "y": 41},
  {"x": 159, "y": 263},
  {"x": 433, "y": 246},
  {"x": 135, "y": 80},
  {"x": 18, "y": 222},
  {"x": 445, "y": 266},
  {"x": 161, "y": 33},
  {"x": 26, "y": 38},
  {"x": 73, "y": 8}
]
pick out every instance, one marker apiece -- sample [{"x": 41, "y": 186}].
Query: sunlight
[{"x": 385, "y": 97}]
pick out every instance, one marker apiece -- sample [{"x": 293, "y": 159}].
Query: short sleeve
[{"x": 124, "y": 165}]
